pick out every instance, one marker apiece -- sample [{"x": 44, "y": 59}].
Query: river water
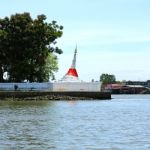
[{"x": 122, "y": 123}]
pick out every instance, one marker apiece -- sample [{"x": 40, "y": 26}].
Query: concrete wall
[
  {"x": 56, "y": 86},
  {"x": 76, "y": 86},
  {"x": 26, "y": 86}
]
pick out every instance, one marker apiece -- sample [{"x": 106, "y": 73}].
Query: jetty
[{"x": 45, "y": 95}]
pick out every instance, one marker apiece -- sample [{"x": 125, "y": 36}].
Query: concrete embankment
[{"x": 44, "y": 95}]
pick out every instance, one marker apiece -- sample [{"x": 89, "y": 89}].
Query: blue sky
[{"x": 113, "y": 36}]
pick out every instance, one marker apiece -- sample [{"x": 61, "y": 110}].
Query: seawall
[{"x": 46, "y": 95}]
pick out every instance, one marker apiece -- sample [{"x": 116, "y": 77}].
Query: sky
[{"x": 112, "y": 36}]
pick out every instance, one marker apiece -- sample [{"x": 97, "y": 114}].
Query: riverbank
[{"x": 46, "y": 95}]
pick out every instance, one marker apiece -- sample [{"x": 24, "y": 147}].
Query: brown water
[{"x": 120, "y": 124}]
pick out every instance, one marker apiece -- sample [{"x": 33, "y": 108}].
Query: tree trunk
[{"x": 1, "y": 74}]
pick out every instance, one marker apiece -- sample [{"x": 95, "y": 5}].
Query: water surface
[{"x": 122, "y": 123}]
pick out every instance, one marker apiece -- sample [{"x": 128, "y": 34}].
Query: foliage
[
  {"x": 27, "y": 48},
  {"x": 107, "y": 78}
]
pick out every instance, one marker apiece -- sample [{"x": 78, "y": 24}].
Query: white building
[{"x": 71, "y": 82}]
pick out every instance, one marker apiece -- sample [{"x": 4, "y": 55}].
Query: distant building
[
  {"x": 148, "y": 83},
  {"x": 142, "y": 83},
  {"x": 125, "y": 89}
]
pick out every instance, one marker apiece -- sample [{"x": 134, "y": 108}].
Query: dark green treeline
[{"x": 27, "y": 48}]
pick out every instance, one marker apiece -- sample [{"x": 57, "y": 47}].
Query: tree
[
  {"x": 46, "y": 72},
  {"x": 107, "y": 78},
  {"x": 27, "y": 48}
]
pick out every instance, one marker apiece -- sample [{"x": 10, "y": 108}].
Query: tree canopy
[
  {"x": 107, "y": 78},
  {"x": 27, "y": 48}
]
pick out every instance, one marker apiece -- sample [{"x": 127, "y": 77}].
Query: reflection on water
[{"x": 122, "y": 123}]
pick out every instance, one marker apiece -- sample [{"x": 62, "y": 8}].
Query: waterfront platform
[{"x": 47, "y": 95}]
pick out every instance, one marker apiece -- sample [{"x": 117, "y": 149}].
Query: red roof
[
  {"x": 72, "y": 72},
  {"x": 113, "y": 86}
]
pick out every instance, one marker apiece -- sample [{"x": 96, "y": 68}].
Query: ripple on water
[{"x": 119, "y": 124}]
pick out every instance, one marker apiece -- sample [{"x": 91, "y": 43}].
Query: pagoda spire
[
  {"x": 74, "y": 58},
  {"x": 72, "y": 74}
]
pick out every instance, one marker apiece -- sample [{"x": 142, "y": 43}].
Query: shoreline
[{"x": 47, "y": 95}]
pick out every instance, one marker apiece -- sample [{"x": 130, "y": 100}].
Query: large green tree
[
  {"x": 107, "y": 78},
  {"x": 27, "y": 48}
]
